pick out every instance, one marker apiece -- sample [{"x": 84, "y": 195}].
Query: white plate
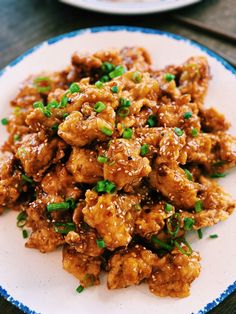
[
  {"x": 38, "y": 280},
  {"x": 130, "y": 6}
]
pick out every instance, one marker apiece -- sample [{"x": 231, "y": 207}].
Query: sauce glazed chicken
[{"x": 114, "y": 161}]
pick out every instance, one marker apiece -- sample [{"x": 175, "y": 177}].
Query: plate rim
[
  {"x": 231, "y": 288},
  {"x": 122, "y": 10}
]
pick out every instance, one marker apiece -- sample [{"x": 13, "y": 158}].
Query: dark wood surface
[{"x": 25, "y": 23}]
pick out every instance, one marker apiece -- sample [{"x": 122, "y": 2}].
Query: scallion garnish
[
  {"x": 105, "y": 186},
  {"x": 123, "y": 112},
  {"x": 99, "y": 84},
  {"x": 99, "y": 106},
  {"x": 168, "y": 207},
  {"x": 26, "y": 178},
  {"x": 188, "y": 174},
  {"x": 64, "y": 101},
  {"x": 24, "y": 234},
  {"x": 79, "y": 289},
  {"x": 21, "y": 219},
  {"x": 107, "y": 67},
  {"x": 152, "y": 121},
  {"x": 65, "y": 115},
  {"x": 71, "y": 202},
  {"x": 74, "y": 88},
  {"x": 124, "y": 102},
  {"x": 218, "y": 175},
  {"x": 178, "y": 131},
  {"x": 137, "y": 77},
  {"x": 39, "y": 84},
  {"x": 213, "y": 236},
  {"x": 173, "y": 225},
  {"x": 58, "y": 206},
  {"x": 105, "y": 78},
  {"x": 198, "y": 206},
  {"x": 16, "y": 137},
  {"x": 188, "y": 223},
  {"x": 194, "y": 132},
  {"x": 102, "y": 159},
  {"x": 169, "y": 77},
  {"x": 46, "y": 111},
  {"x": 187, "y": 115},
  {"x": 115, "y": 89},
  {"x": 118, "y": 71},
  {"x": 200, "y": 234},
  {"x": 52, "y": 104},
  {"x": 106, "y": 131},
  {"x": 64, "y": 227},
  {"x": 54, "y": 127},
  {"x": 161, "y": 243},
  {"x": 127, "y": 133},
  {"x": 137, "y": 207},
  {"x": 100, "y": 243},
  {"x": 144, "y": 150},
  {"x": 178, "y": 242},
  {"x": 4, "y": 121}
]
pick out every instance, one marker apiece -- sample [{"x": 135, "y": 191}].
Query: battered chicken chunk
[
  {"x": 174, "y": 274},
  {"x": 213, "y": 121},
  {"x": 85, "y": 268},
  {"x": 130, "y": 267},
  {"x": 113, "y": 216},
  {"x": 126, "y": 167}
]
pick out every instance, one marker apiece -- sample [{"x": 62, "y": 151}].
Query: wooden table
[{"x": 25, "y": 23}]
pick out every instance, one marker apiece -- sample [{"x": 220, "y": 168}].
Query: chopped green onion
[
  {"x": 213, "y": 236},
  {"x": 199, "y": 232},
  {"x": 106, "y": 131},
  {"x": 99, "y": 84},
  {"x": 71, "y": 203},
  {"x": 187, "y": 115},
  {"x": 127, "y": 133},
  {"x": 178, "y": 131},
  {"x": 118, "y": 71},
  {"x": 64, "y": 101},
  {"x": 64, "y": 227},
  {"x": 152, "y": 121},
  {"x": 41, "y": 88},
  {"x": 38, "y": 104},
  {"x": 89, "y": 279},
  {"x": 219, "y": 163},
  {"x": 194, "y": 132},
  {"x": 178, "y": 242},
  {"x": 79, "y": 289},
  {"x": 188, "y": 223},
  {"x": 124, "y": 102},
  {"x": 115, "y": 89},
  {"x": 65, "y": 115},
  {"x": 17, "y": 111},
  {"x": 137, "y": 77},
  {"x": 21, "y": 151},
  {"x": 198, "y": 206},
  {"x": 161, "y": 243},
  {"x": 74, "y": 88},
  {"x": 107, "y": 67},
  {"x": 24, "y": 234},
  {"x": 188, "y": 174},
  {"x": 21, "y": 219},
  {"x": 52, "y": 104},
  {"x": 26, "y": 178},
  {"x": 137, "y": 207},
  {"x": 123, "y": 112},
  {"x": 105, "y": 78},
  {"x": 173, "y": 225},
  {"x": 46, "y": 111},
  {"x": 54, "y": 127},
  {"x": 99, "y": 106},
  {"x": 169, "y": 77},
  {"x": 218, "y": 175},
  {"x": 102, "y": 159},
  {"x": 100, "y": 243},
  {"x": 144, "y": 150},
  {"x": 168, "y": 207},
  {"x": 4, "y": 121},
  {"x": 58, "y": 206},
  {"x": 16, "y": 137},
  {"x": 105, "y": 186}
]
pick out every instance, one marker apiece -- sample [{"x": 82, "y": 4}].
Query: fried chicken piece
[
  {"x": 174, "y": 274},
  {"x": 37, "y": 152},
  {"x": 130, "y": 267},
  {"x": 136, "y": 58},
  {"x": 213, "y": 121},
  {"x": 199, "y": 149},
  {"x": 113, "y": 216},
  {"x": 173, "y": 183},
  {"x": 59, "y": 182},
  {"x": 85, "y": 268},
  {"x": 84, "y": 242},
  {"x": 152, "y": 219},
  {"x": 126, "y": 167},
  {"x": 84, "y": 166},
  {"x": 79, "y": 130}
]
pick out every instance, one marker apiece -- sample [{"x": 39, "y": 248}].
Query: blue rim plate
[{"x": 231, "y": 288}]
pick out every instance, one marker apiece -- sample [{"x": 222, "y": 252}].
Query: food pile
[{"x": 114, "y": 160}]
